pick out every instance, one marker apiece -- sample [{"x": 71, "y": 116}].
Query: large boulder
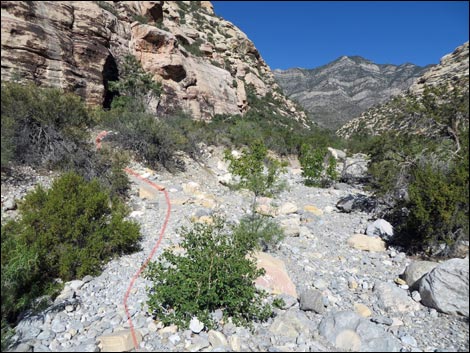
[
  {"x": 357, "y": 202},
  {"x": 445, "y": 288},
  {"x": 416, "y": 270},
  {"x": 276, "y": 280}
]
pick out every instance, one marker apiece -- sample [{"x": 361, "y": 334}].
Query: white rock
[{"x": 195, "y": 325}]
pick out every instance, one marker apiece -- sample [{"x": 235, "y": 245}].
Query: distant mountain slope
[
  {"x": 341, "y": 90},
  {"x": 396, "y": 114}
]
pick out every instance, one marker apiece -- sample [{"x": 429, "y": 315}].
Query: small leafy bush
[
  {"x": 257, "y": 172},
  {"x": 65, "y": 232},
  {"x": 318, "y": 166},
  {"x": 213, "y": 273},
  {"x": 260, "y": 231}
]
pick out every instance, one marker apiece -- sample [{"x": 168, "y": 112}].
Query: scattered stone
[
  {"x": 364, "y": 242},
  {"x": 291, "y": 226},
  {"x": 380, "y": 228},
  {"x": 290, "y": 324},
  {"x": 289, "y": 300},
  {"x": 287, "y": 208},
  {"x": 217, "y": 339},
  {"x": 312, "y": 300},
  {"x": 382, "y": 320},
  {"x": 235, "y": 343},
  {"x": 445, "y": 288},
  {"x": 320, "y": 284},
  {"x": 357, "y": 202},
  {"x": 312, "y": 209},
  {"x": 195, "y": 325},
  {"x": 362, "y": 310},
  {"x": 416, "y": 270},
  {"x": 119, "y": 341},
  {"x": 409, "y": 340},
  {"x": 10, "y": 205},
  {"x": 393, "y": 299},
  {"x": 336, "y": 327}
]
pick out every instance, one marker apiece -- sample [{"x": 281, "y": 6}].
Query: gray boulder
[
  {"x": 312, "y": 300},
  {"x": 380, "y": 228},
  {"x": 445, "y": 288},
  {"x": 416, "y": 270},
  {"x": 356, "y": 202},
  {"x": 393, "y": 299},
  {"x": 349, "y": 331}
]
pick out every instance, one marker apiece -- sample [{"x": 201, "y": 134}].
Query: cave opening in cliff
[{"x": 110, "y": 73}]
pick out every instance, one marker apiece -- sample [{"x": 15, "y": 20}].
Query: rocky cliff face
[
  {"x": 452, "y": 71},
  {"x": 204, "y": 62},
  {"x": 341, "y": 90}
]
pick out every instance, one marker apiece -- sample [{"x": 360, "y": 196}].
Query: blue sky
[{"x": 311, "y": 34}]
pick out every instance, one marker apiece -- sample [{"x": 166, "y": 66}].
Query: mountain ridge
[{"x": 342, "y": 89}]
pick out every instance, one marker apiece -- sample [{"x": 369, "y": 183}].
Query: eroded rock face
[{"x": 204, "y": 62}]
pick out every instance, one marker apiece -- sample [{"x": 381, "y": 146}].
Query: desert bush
[
  {"x": 65, "y": 232},
  {"x": 214, "y": 272},
  {"x": 423, "y": 178},
  {"x": 318, "y": 166},
  {"x": 136, "y": 88},
  {"x": 49, "y": 127},
  {"x": 257, "y": 171},
  {"x": 260, "y": 231}
]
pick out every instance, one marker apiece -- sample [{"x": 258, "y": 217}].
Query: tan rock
[
  {"x": 266, "y": 210},
  {"x": 364, "y": 242},
  {"x": 148, "y": 193},
  {"x": 119, "y": 341},
  {"x": 276, "y": 280},
  {"x": 312, "y": 209},
  {"x": 348, "y": 340},
  {"x": 287, "y": 208},
  {"x": 362, "y": 310},
  {"x": 235, "y": 343},
  {"x": 217, "y": 339},
  {"x": 168, "y": 330},
  {"x": 191, "y": 188}
]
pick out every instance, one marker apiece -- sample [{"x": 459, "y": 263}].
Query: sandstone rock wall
[{"x": 204, "y": 62}]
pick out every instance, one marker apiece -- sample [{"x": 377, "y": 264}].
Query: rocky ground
[{"x": 346, "y": 298}]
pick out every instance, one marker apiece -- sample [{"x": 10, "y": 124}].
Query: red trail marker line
[{"x": 98, "y": 139}]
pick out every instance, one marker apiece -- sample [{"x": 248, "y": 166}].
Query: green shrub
[
  {"x": 260, "y": 231},
  {"x": 67, "y": 231},
  {"x": 257, "y": 172},
  {"x": 50, "y": 126},
  {"x": 437, "y": 205},
  {"x": 213, "y": 273},
  {"x": 135, "y": 86},
  {"x": 318, "y": 166},
  {"x": 194, "y": 47}
]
